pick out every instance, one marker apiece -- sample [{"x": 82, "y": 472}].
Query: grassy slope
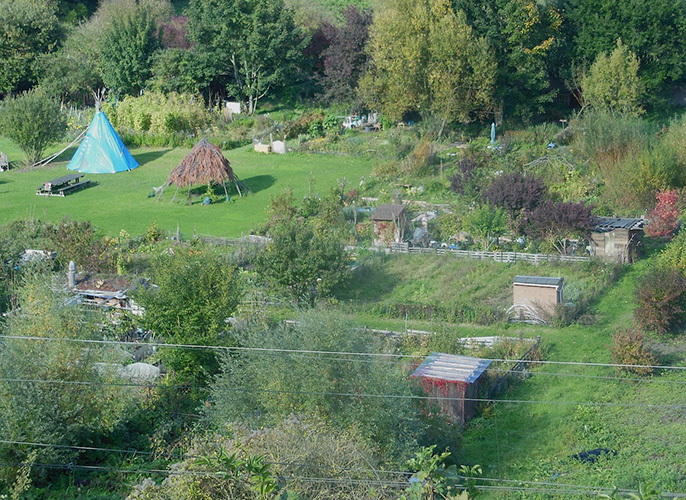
[
  {"x": 120, "y": 201},
  {"x": 534, "y": 442}
]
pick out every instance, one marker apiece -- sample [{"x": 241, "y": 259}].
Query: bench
[{"x": 74, "y": 187}]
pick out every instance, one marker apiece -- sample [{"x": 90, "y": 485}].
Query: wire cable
[{"x": 320, "y": 352}]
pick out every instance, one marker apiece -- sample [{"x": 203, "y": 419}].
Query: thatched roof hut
[{"x": 203, "y": 165}]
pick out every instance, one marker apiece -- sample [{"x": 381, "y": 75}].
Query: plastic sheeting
[{"x": 102, "y": 150}]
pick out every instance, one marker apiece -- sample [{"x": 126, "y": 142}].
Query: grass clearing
[{"x": 120, "y": 201}]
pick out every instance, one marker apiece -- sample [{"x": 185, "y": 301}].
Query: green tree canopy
[
  {"x": 612, "y": 83},
  {"x": 127, "y": 49},
  {"x": 196, "y": 292},
  {"x": 28, "y": 29},
  {"x": 256, "y": 42},
  {"x": 484, "y": 224},
  {"x": 426, "y": 58},
  {"x": 655, "y": 30},
  {"x": 34, "y": 121},
  {"x": 87, "y": 406},
  {"x": 303, "y": 261}
]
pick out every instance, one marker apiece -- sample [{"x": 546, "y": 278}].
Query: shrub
[
  {"x": 73, "y": 240},
  {"x": 629, "y": 348},
  {"x": 674, "y": 256},
  {"x": 34, "y": 121},
  {"x": 155, "y": 113},
  {"x": 663, "y": 218},
  {"x": 661, "y": 301}
]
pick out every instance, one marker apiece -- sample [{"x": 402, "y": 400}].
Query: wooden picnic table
[{"x": 62, "y": 185}]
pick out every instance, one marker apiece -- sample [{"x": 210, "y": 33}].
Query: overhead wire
[
  {"x": 353, "y": 394},
  {"x": 323, "y": 352}
]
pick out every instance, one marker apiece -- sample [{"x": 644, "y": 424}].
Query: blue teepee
[{"x": 102, "y": 151}]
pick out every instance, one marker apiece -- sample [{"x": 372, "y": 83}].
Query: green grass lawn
[{"x": 120, "y": 201}]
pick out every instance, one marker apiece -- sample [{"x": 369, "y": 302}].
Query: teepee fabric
[{"x": 102, "y": 150}]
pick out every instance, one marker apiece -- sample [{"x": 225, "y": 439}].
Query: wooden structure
[
  {"x": 108, "y": 293},
  {"x": 617, "y": 238},
  {"x": 63, "y": 185},
  {"x": 389, "y": 224},
  {"x": 205, "y": 164},
  {"x": 535, "y": 298},
  {"x": 455, "y": 381}
]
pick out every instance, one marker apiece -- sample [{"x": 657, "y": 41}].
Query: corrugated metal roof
[
  {"x": 538, "y": 280},
  {"x": 451, "y": 367},
  {"x": 387, "y": 211},
  {"x": 605, "y": 224}
]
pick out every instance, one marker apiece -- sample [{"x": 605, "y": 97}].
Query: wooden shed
[
  {"x": 536, "y": 296},
  {"x": 455, "y": 381},
  {"x": 389, "y": 223},
  {"x": 617, "y": 238}
]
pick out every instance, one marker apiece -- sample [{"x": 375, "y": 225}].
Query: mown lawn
[{"x": 120, "y": 201}]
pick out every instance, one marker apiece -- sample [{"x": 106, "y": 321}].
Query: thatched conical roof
[{"x": 204, "y": 164}]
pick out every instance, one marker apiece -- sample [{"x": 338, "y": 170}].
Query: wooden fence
[
  {"x": 500, "y": 256},
  {"x": 535, "y": 258}
]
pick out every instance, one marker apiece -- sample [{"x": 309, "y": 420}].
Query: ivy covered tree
[
  {"x": 196, "y": 292},
  {"x": 255, "y": 42}
]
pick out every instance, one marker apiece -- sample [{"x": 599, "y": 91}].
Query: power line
[
  {"x": 359, "y": 394},
  {"x": 320, "y": 352},
  {"x": 564, "y": 489}
]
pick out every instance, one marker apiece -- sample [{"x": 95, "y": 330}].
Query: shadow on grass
[
  {"x": 150, "y": 156},
  {"x": 259, "y": 182},
  {"x": 66, "y": 154}
]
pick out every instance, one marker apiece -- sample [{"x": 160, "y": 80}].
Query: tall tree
[
  {"x": 345, "y": 58},
  {"x": 523, "y": 34},
  {"x": 612, "y": 83},
  {"x": 655, "y": 30},
  {"x": 426, "y": 58},
  {"x": 27, "y": 29},
  {"x": 255, "y": 42},
  {"x": 127, "y": 49}
]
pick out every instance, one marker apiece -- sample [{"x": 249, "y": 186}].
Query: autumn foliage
[{"x": 663, "y": 218}]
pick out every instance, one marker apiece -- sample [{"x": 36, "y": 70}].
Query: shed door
[{"x": 610, "y": 243}]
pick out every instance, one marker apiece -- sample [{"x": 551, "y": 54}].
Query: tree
[
  {"x": 663, "y": 218},
  {"x": 34, "y": 121},
  {"x": 87, "y": 406},
  {"x": 484, "y": 224},
  {"x": 196, "y": 292},
  {"x": 654, "y": 30},
  {"x": 426, "y": 57},
  {"x": 345, "y": 59},
  {"x": 557, "y": 223},
  {"x": 292, "y": 384},
  {"x": 27, "y": 29},
  {"x": 612, "y": 83},
  {"x": 661, "y": 300},
  {"x": 523, "y": 34},
  {"x": 127, "y": 49},
  {"x": 254, "y": 41},
  {"x": 515, "y": 192},
  {"x": 302, "y": 261}
]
